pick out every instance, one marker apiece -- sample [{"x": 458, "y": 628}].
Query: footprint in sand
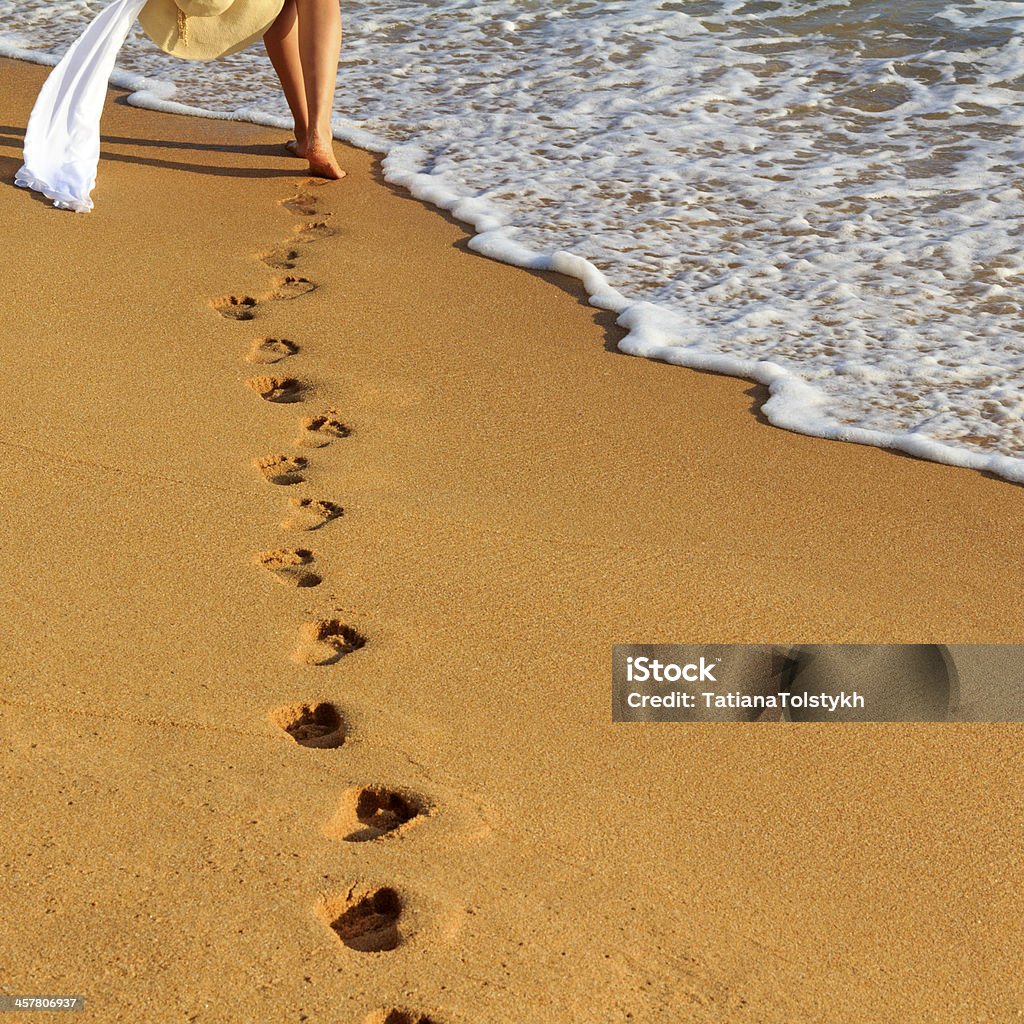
[
  {"x": 282, "y": 258},
  {"x": 235, "y": 307},
  {"x": 244, "y": 307},
  {"x": 288, "y": 565},
  {"x": 320, "y": 431},
  {"x": 302, "y": 202},
  {"x": 289, "y": 287},
  {"x": 310, "y": 514},
  {"x": 271, "y": 350},
  {"x": 367, "y": 923},
  {"x": 399, "y": 1015},
  {"x": 313, "y": 230},
  {"x": 286, "y": 256},
  {"x": 369, "y": 812},
  {"x": 281, "y": 469},
  {"x": 325, "y": 641},
  {"x": 277, "y": 389},
  {"x": 318, "y": 725}
]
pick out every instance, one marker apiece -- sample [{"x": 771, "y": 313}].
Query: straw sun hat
[{"x": 207, "y": 29}]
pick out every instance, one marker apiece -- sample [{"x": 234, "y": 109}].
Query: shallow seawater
[{"x": 823, "y": 196}]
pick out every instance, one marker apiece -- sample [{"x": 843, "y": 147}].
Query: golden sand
[{"x": 192, "y": 751}]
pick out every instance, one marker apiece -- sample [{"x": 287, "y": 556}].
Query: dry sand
[{"x": 517, "y": 497}]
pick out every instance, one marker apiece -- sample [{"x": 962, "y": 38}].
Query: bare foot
[
  {"x": 321, "y": 159},
  {"x": 295, "y": 147}
]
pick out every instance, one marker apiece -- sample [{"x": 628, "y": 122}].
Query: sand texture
[{"x": 318, "y": 530}]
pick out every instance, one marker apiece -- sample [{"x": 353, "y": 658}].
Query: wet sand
[{"x": 195, "y": 732}]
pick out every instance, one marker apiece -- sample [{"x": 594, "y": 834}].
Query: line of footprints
[{"x": 364, "y": 921}]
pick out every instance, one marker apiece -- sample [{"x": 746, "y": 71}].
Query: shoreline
[
  {"x": 517, "y": 496},
  {"x": 787, "y": 398}
]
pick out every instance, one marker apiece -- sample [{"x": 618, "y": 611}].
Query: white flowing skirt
[{"x": 62, "y": 141}]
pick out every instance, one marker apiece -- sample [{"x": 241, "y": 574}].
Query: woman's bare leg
[
  {"x": 282, "y": 43},
  {"x": 319, "y": 41}
]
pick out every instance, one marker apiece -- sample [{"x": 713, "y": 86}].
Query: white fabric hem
[{"x": 62, "y": 200}]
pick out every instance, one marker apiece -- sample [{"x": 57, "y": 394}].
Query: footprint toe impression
[
  {"x": 325, "y": 641},
  {"x": 398, "y": 1015},
  {"x": 318, "y": 725},
  {"x": 368, "y": 923},
  {"x": 288, "y": 565},
  {"x": 369, "y": 812},
  {"x": 235, "y": 307},
  {"x": 277, "y": 389},
  {"x": 310, "y": 514},
  {"x": 271, "y": 350},
  {"x": 319, "y": 431},
  {"x": 284, "y": 470}
]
